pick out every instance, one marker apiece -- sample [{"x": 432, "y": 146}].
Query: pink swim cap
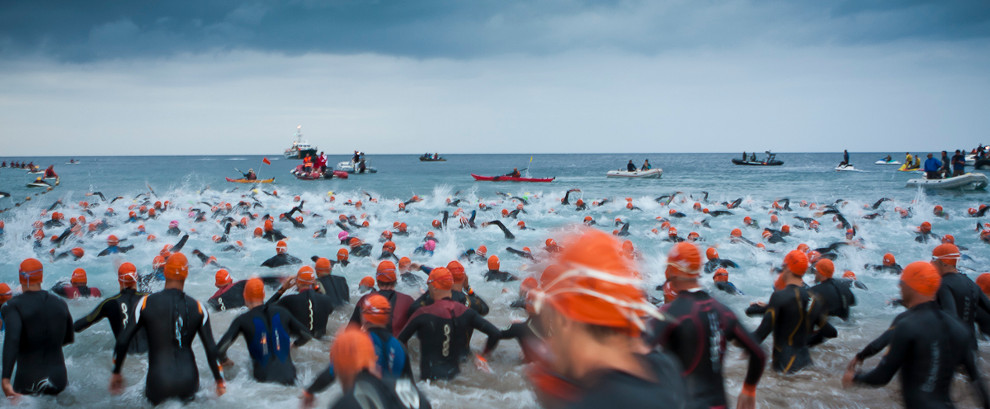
[
  {"x": 342, "y": 235},
  {"x": 430, "y": 245},
  {"x": 173, "y": 223}
]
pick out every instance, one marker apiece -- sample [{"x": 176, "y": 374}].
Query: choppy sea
[{"x": 188, "y": 181}]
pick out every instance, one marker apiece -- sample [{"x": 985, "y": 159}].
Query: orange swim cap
[
  {"x": 78, "y": 252},
  {"x": 323, "y": 266},
  {"x": 457, "y": 271},
  {"x": 354, "y": 242},
  {"x": 747, "y": 220},
  {"x": 222, "y": 278},
  {"x": 721, "y": 276},
  {"x": 481, "y": 250},
  {"x": 5, "y": 293},
  {"x": 921, "y": 277},
  {"x": 925, "y": 227},
  {"x": 258, "y": 232},
  {"x": 367, "y": 281},
  {"x": 127, "y": 274},
  {"x": 825, "y": 267},
  {"x": 375, "y": 310},
  {"x": 984, "y": 282},
  {"x": 176, "y": 267},
  {"x": 849, "y": 274},
  {"x": 888, "y": 259},
  {"x": 796, "y": 262},
  {"x": 684, "y": 260},
  {"x": 254, "y": 291},
  {"x": 305, "y": 276},
  {"x": 112, "y": 240},
  {"x": 736, "y": 233},
  {"x": 352, "y": 352},
  {"x": 78, "y": 277},
  {"x": 711, "y": 253},
  {"x": 341, "y": 254},
  {"x": 597, "y": 285},
  {"x": 269, "y": 225},
  {"x": 281, "y": 247},
  {"x": 385, "y": 272},
  {"x": 948, "y": 238},
  {"x": 441, "y": 279},
  {"x": 493, "y": 263},
  {"x": 389, "y": 246},
  {"x": 946, "y": 253},
  {"x": 405, "y": 262},
  {"x": 436, "y": 224}
]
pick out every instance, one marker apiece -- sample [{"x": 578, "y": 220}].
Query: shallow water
[{"x": 182, "y": 180}]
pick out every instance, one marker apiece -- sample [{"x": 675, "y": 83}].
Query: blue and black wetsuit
[
  {"x": 393, "y": 362},
  {"x": 120, "y": 312},
  {"x": 266, "y": 328},
  {"x": 172, "y": 319},
  {"x": 38, "y": 325}
]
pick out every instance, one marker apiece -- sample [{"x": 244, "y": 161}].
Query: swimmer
[
  {"x": 281, "y": 257},
  {"x": 172, "y": 319},
  {"x": 113, "y": 247},
  {"x": 494, "y": 274},
  {"x": 399, "y": 303},
  {"x": 334, "y": 286},
  {"x": 77, "y": 287},
  {"x": 308, "y": 306},
  {"x": 714, "y": 262},
  {"x": 838, "y": 298}
]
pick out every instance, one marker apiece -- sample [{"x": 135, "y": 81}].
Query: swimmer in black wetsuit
[
  {"x": 505, "y": 231},
  {"x": 838, "y": 298},
  {"x": 697, "y": 332},
  {"x": 172, "y": 320},
  {"x": 37, "y": 326},
  {"x": 334, "y": 286},
  {"x": 494, "y": 274},
  {"x": 265, "y": 328},
  {"x": 308, "y": 306},
  {"x": 444, "y": 328},
  {"x": 281, "y": 257},
  {"x": 714, "y": 262},
  {"x": 120, "y": 310},
  {"x": 927, "y": 345},
  {"x": 958, "y": 295},
  {"x": 889, "y": 265},
  {"x": 792, "y": 315}
]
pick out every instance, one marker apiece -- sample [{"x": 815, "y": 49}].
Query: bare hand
[
  {"x": 116, "y": 384},
  {"x": 759, "y": 304},
  {"x": 746, "y": 402},
  {"x": 221, "y": 388},
  {"x": 227, "y": 363},
  {"x": 847, "y": 378},
  {"x": 854, "y": 364},
  {"x": 288, "y": 283},
  {"x": 306, "y": 400}
]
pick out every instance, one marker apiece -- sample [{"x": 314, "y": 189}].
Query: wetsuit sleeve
[
  {"x": 973, "y": 372},
  {"x": 411, "y": 327},
  {"x": 876, "y": 345},
  {"x": 322, "y": 381},
  {"x": 757, "y": 358},
  {"x": 889, "y": 365},
  {"x": 769, "y": 321},
  {"x": 478, "y": 304},
  {"x": 126, "y": 248},
  {"x": 209, "y": 345},
  {"x": 124, "y": 340},
  {"x": 298, "y": 328},
  {"x": 513, "y": 332},
  {"x": 488, "y": 328},
  {"x": 70, "y": 335},
  {"x": 11, "y": 340},
  {"x": 946, "y": 301},
  {"x": 182, "y": 242},
  {"x": 229, "y": 337}
]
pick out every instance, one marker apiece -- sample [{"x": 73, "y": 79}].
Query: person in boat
[
  {"x": 958, "y": 164},
  {"x": 307, "y": 163},
  {"x": 744, "y": 156},
  {"x": 944, "y": 170},
  {"x": 908, "y": 159},
  {"x": 932, "y": 167},
  {"x": 50, "y": 172},
  {"x": 356, "y": 158},
  {"x": 630, "y": 166},
  {"x": 752, "y": 157},
  {"x": 514, "y": 174},
  {"x": 362, "y": 166},
  {"x": 917, "y": 162},
  {"x": 646, "y": 165},
  {"x": 250, "y": 175},
  {"x": 845, "y": 158},
  {"x": 888, "y": 159},
  {"x": 321, "y": 163}
]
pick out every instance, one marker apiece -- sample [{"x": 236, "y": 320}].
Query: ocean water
[{"x": 190, "y": 180}]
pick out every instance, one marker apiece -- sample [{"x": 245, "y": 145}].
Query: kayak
[
  {"x": 642, "y": 174},
  {"x": 969, "y": 181},
  {"x": 883, "y": 162},
  {"x": 242, "y": 180},
  {"x": 509, "y": 179}
]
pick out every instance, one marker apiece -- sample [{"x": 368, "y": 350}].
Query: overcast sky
[{"x": 492, "y": 76}]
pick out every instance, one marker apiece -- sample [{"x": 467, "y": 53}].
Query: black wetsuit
[
  {"x": 363, "y": 250},
  {"x": 335, "y": 287},
  {"x": 172, "y": 320},
  {"x": 266, "y": 328},
  {"x": 443, "y": 329},
  {"x": 792, "y": 315},
  {"x": 469, "y": 300},
  {"x": 401, "y": 309},
  {"x": 927, "y": 346},
  {"x": 892, "y": 269},
  {"x": 496, "y": 275},
  {"x": 310, "y": 307},
  {"x": 385, "y": 393},
  {"x": 618, "y": 389},
  {"x": 961, "y": 297},
  {"x": 37, "y": 325},
  {"x": 281, "y": 260},
  {"x": 715, "y": 264},
  {"x": 697, "y": 333},
  {"x": 119, "y": 311},
  {"x": 232, "y": 296},
  {"x": 527, "y": 333},
  {"x": 838, "y": 298}
]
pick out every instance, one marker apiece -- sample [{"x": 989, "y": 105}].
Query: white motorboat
[
  {"x": 969, "y": 181},
  {"x": 351, "y": 167},
  {"x": 299, "y": 148},
  {"x": 642, "y": 174}
]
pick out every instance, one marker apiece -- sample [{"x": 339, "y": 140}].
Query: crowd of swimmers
[{"x": 592, "y": 337}]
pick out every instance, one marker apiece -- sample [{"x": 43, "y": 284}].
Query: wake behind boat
[
  {"x": 509, "y": 179},
  {"x": 640, "y": 174}
]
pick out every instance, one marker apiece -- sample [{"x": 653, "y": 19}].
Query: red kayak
[{"x": 509, "y": 179}]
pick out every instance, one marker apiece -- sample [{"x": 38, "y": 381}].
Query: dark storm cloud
[{"x": 93, "y": 30}]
